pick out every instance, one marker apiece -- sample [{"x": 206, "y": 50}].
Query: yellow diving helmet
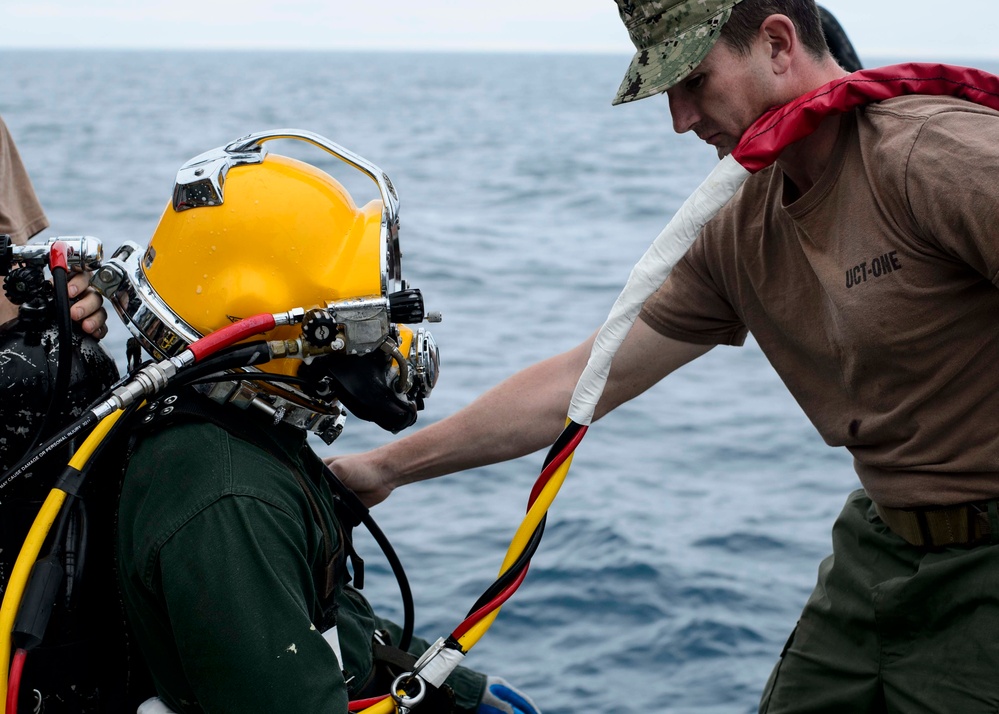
[{"x": 250, "y": 232}]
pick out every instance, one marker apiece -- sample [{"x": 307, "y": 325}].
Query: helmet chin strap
[{"x": 759, "y": 147}]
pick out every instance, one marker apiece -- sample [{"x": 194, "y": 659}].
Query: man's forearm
[{"x": 517, "y": 417}]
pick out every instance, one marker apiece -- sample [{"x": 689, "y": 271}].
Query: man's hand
[
  {"x": 87, "y": 309},
  {"x": 362, "y": 475}
]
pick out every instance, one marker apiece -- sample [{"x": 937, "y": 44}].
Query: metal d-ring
[{"x": 405, "y": 702}]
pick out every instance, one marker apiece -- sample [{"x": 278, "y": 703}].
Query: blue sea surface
[{"x": 686, "y": 538}]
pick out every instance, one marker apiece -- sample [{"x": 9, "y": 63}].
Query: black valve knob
[
  {"x": 27, "y": 282},
  {"x": 406, "y": 306},
  {"x": 318, "y": 328}
]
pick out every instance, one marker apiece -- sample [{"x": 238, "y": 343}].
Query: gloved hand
[{"x": 501, "y": 698}]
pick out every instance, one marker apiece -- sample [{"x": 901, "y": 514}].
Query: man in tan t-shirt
[
  {"x": 865, "y": 264},
  {"x": 21, "y": 217}
]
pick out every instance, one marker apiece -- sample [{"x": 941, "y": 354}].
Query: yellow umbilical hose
[
  {"x": 518, "y": 545},
  {"x": 39, "y": 531},
  {"x": 385, "y": 706}
]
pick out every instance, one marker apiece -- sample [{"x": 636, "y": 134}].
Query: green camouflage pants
[{"x": 892, "y": 628}]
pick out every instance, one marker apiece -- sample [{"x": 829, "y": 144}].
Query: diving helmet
[{"x": 249, "y": 231}]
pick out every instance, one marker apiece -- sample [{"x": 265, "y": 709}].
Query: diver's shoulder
[{"x": 200, "y": 456}]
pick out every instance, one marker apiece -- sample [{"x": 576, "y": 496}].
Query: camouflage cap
[{"x": 672, "y": 37}]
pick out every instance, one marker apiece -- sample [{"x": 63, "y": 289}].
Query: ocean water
[{"x": 685, "y": 540}]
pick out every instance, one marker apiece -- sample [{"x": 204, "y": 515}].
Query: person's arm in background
[
  {"x": 22, "y": 217},
  {"x": 517, "y": 417}
]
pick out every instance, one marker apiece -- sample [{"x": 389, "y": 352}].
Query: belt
[{"x": 966, "y": 524}]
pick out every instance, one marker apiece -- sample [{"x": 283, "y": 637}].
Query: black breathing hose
[{"x": 87, "y": 420}]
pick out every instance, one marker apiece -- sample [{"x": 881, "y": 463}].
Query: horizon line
[{"x": 880, "y": 53}]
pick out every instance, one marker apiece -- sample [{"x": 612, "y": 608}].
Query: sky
[{"x": 876, "y": 27}]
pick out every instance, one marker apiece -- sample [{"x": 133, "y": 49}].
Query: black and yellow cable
[{"x": 67, "y": 487}]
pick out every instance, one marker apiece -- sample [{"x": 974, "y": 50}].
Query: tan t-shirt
[
  {"x": 874, "y": 296},
  {"x": 21, "y": 215}
]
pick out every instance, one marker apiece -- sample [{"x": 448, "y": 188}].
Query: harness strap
[
  {"x": 393, "y": 657},
  {"x": 328, "y": 584}
]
